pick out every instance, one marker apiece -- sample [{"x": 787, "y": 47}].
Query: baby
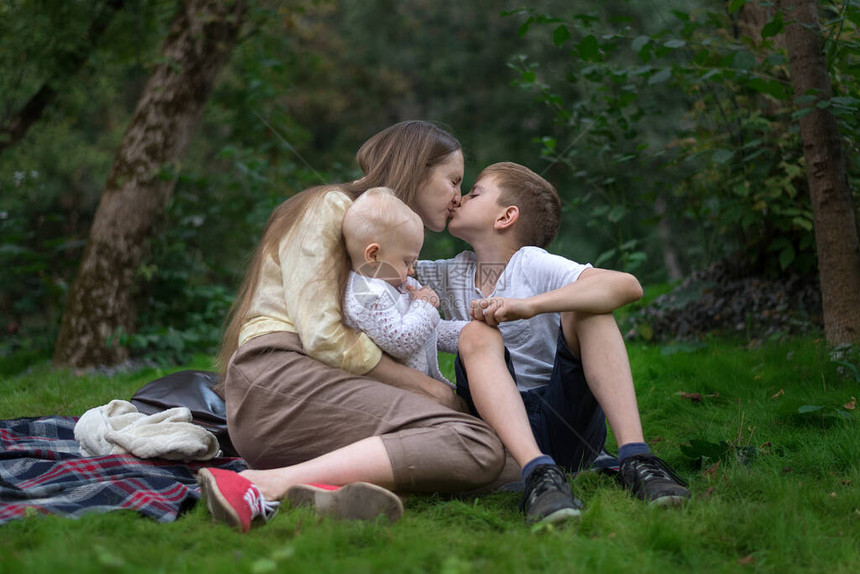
[{"x": 383, "y": 237}]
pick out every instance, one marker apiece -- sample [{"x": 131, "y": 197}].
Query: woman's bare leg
[{"x": 363, "y": 461}]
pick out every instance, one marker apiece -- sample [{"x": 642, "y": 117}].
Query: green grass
[{"x": 793, "y": 506}]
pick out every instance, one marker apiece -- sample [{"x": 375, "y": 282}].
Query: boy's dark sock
[
  {"x": 534, "y": 463},
  {"x": 632, "y": 448}
]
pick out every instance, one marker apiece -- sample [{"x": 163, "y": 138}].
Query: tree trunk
[
  {"x": 142, "y": 179},
  {"x": 667, "y": 245},
  {"x": 832, "y": 204}
]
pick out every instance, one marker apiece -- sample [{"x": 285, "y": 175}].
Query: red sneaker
[
  {"x": 355, "y": 501},
  {"x": 233, "y": 499}
]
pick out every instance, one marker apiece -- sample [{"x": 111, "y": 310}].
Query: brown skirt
[{"x": 284, "y": 408}]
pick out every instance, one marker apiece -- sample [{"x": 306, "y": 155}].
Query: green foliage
[
  {"x": 706, "y": 452},
  {"x": 691, "y": 122},
  {"x": 666, "y": 133},
  {"x": 304, "y": 87},
  {"x": 848, "y": 359},
  {"x": 51, "y": 181}
]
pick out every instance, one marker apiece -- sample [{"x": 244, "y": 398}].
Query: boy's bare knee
[
  {"x": 579, "y": 325},
  {"x": 477, "y": 338}
]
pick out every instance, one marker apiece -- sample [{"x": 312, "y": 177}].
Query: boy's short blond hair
[
  {"x": 375, "y": 212},
  {"x": 536, "y": 198}
]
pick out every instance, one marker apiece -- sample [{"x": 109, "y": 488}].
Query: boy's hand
[
  {"x": 500, "y": 310},
  {"x": 425, "y": 294}
]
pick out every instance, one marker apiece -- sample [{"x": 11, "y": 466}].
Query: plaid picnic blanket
[{"x": 41, "y": 468}]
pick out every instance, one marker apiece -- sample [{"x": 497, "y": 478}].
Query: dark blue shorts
[{"x": 566, "y": 419}]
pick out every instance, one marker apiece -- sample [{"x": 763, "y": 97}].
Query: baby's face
[{"x": 398, "y": 251}]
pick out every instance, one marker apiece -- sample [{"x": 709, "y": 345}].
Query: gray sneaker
[
  {"x": 649, "y": 478},
  {"x": 547, "y": 496}
]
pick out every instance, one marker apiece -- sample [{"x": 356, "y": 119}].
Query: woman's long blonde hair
[{"x": 399, "y": 157}]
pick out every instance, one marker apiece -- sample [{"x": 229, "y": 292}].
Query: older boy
[{"x": 566, "y": 353}]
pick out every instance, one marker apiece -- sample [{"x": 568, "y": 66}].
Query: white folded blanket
[{"x": 119, "y": 428}]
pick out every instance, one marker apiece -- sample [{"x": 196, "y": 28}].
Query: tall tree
[
  {"x": 142, "y": 179},
  {"x": 832, "y": 205}
]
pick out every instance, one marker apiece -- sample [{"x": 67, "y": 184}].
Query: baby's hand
[{"x": 424, "y": 294}]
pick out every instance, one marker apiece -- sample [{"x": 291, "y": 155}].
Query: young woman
[{"x": 312, "y": 401}]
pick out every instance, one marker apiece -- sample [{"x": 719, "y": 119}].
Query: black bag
[{"x": 193, "y": 390}]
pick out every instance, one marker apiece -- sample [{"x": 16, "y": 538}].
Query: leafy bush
[{"x": 684, "y": 135}]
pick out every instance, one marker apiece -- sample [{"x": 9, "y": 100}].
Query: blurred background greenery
[{"x": 667, "y": 127}]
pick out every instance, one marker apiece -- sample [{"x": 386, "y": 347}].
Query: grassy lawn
[{"x": 770, "y": 449}]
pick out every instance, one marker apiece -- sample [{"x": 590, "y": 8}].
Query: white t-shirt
[
  {"x": 531, "y": 271},
  {"x": 408, "y": 329}
]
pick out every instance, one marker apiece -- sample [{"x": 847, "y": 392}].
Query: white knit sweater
[{"x": 410, "y": 330}]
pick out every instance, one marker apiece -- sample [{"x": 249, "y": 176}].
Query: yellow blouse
[{"x": 292, "y": 295}]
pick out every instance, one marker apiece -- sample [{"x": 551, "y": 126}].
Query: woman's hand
[
  {"x": 392, "y": 373},
  {"x": 448, "y": 398}
]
